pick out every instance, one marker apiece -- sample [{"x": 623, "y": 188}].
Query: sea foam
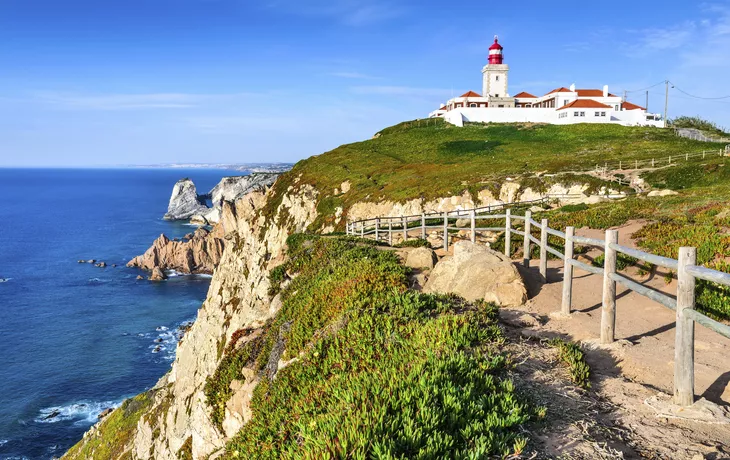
[{"x": 81, "y": 412}]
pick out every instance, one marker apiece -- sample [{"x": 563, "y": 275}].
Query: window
[
  {"x": 603, "y": 114},
  {"x": 598, "y": 114},
  {"x": 472, "y": 105},
  {"x": 582, "y": 114},
  {"x": 616, "y": 108},
  {"x": 496, "y": 78},
  {"x": 496, "y": 95},
  {"x": 502, "y": 105},
  {"x": 575, "y": 114},
  {"x": 565, "y": 102}
]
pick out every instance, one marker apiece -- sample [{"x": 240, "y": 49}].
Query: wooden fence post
[
  {"x": 390, "y": 231},
  {"x": 473, "y": 226},
  {"x": 670, "y": 159},
  {"x": 423, "y": 226},
  {"x": 568, "y": 271},
  {"x": 377, "y": 229},
  {"x": 684, "y": 346},
  {"x": 362, "y": 229},
  {"x": 543, "y": 249},
  {"x": 526, "y": 244},
  {"x": 347, "y": 228},
  {"x": 608, "y": 312},
  {"x": 508, "y": 234},
  {"x": 652, "y": 162},
  {"x": 446, "y": 231},
  {"x": 405, "y": 228}
]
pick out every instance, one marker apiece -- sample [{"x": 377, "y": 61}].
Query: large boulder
[
  {"x": 477, "y": 272},
  {"x": 420, "y": 258},
  {"x": 185, "y": 202}
]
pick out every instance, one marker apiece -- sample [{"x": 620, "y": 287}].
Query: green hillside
[{"x": 414, "y": 159}]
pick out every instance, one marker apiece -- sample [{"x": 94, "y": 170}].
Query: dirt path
[{"x": 639, "y": 366}]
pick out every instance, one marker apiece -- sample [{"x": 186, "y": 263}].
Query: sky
[{"x": 98, "y": 83}]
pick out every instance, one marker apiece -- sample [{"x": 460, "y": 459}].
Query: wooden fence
[{"x": 687, "y": 271}]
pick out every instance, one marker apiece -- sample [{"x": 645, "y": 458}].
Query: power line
[
  {"x": 644, "y": 89},
  {"x": 698, "y": 97}
]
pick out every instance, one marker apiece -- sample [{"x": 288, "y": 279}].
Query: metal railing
[{"x": 687, "y": 273}]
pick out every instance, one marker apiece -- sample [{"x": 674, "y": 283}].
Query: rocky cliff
[
  {"x": 252, "y": 233},
  {"x": 187, "y": 204}
]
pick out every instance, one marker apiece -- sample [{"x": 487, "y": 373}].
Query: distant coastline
[{"x": 241, "y": 167}]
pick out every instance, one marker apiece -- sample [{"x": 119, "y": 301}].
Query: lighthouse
[
  {"x": 495, "y": 76},
  {"x": 495, "y": 52}
]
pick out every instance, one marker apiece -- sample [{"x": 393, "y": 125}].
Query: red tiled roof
[
  {"x": 471, "y": 94},
  {"x": 525, "y": 95},
  {"x": 585, "y": 104},
  {"x": 629, "y": 106},
  {"x": 591, "y": 93},
  {"x": 560, "y": 90}
]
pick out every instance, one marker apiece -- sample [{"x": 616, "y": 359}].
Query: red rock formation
[{"x": 199, "y": 254}]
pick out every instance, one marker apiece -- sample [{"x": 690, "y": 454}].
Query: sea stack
[{"x": 185, "y": 201}]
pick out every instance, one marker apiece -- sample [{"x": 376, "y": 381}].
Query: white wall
[{"x": 528, "y": 115}]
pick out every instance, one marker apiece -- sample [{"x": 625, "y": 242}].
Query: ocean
[{"x": 76, "y": 339}]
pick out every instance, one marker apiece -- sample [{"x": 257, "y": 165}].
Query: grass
[
  {"x": 696, "y": 122},
  {"x": 382, "y": 372},
  {"x": 409, "y": 161},
  {"x": 413, "y": 243},
  {"x": 571, "y": 354},
  {"x": 115, "y": 432}
]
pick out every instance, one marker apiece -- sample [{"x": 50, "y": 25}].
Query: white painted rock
[{"x": 477, "y": 272}]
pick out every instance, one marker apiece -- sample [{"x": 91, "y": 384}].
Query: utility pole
[
  {"x": 624, "y": 95},
  {"x": 647, "y": 101},
  {"x": 666, "y": 103}
]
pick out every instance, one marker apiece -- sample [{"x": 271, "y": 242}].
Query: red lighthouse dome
[{"x": 495, "y": 52}]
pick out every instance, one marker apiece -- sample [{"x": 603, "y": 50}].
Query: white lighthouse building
[{"x": 559, "y": 106}]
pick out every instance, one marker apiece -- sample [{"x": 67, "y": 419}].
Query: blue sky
[{"x": 92, "y": 83}]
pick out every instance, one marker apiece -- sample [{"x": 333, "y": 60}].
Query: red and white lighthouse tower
[
  {"x": 495, "y": 52},
  {"x": 495, "y": 76}
]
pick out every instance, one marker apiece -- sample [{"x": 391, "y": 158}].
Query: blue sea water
[{"x": 76, "y": 339}]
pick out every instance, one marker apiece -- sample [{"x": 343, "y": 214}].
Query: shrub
[
  {"x": 573, "y": 356},
  {"x": 417, "y": 243}
]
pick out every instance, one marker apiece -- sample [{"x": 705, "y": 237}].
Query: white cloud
[
  {"x": 403, "y": 91},
  {"x": 353, "y": 75},
  {"x": 130, "y": 101}
]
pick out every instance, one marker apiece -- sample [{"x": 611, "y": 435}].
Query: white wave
[
  {"x": 204, "y": 275},
  {"x": 3, "y": 442},
  {"x": 161, "y": 328},
  {"x": 4, "y": 280},
  {"x": 81, "y": 412}
]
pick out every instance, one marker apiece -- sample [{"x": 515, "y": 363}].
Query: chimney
[
  {"x": 572, "y": 88},
  {"x": 605, "y": 90}
]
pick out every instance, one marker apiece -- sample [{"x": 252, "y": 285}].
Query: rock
[
  {"x": 188, "y": 236},
  {"x": 105, "y": 412},
  {"x": 101, "y": 265},
  {"x": 140, "y": 277},
  {"x": 55, "y": 413},
  {"x": 91, "y": 261},
  {"x": 185, "y": 201},
  {"x": 200, "y": 254},
  {"x": 477, "y": 272},
  {"x": 157, "y": 275},
  {"x": 82, "y": 261},
  {"x": 463, "y": 223},
  {"x": 114, "y": 265},
  {"x": 662, "y": 193},
  {"x": 421, "y": 258}
]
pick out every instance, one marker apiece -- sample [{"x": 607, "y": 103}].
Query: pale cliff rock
[
  {"x": 230, "y": 189},
  {"x": 238, "y": 298},
  {"x": 185, "y": 201},
  {"x": 199, "y": 254},
  {"x": 477, "y": 272}
]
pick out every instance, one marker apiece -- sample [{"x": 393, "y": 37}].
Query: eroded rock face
[
  {"x": 477, "y": 272},
  {"x": 230, "y": 189},
  {"x": 185, "y": 201},
  {"x": 199, "y": 254}
]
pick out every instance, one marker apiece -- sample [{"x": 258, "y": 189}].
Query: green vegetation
[
  {"x": 419, "y": 160},
  {"x": 573, "y": 356},
  {"x": 700, "y": 123},
  {"x": 115, "y": 433},
  {"x": 622, "y": 261},
  {"x": 382, "y": 372},
  {"x": 415, "y": 243}
]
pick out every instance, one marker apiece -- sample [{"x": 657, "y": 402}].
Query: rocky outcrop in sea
[
  {"x": 187, "y": 204},
  {"x": 198, "y": 253}
]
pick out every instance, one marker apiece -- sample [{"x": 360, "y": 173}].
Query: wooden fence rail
[{"x": 687, "y": 271}]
